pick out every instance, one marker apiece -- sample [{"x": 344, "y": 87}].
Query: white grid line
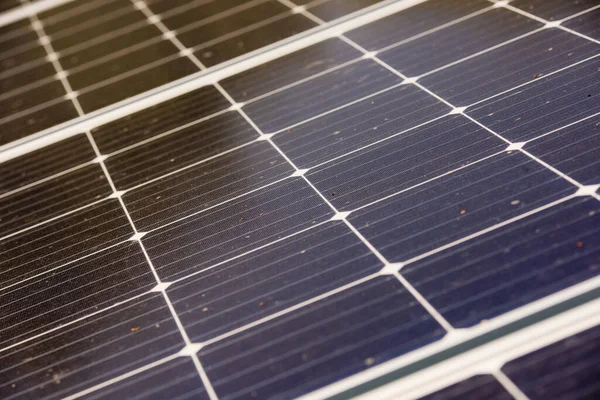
[{"x": 509, "y": 385}]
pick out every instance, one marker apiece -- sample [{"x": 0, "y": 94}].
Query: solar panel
[{"x": 299, "y": 199}]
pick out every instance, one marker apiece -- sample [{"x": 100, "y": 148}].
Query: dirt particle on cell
[
  {"x": 592, "y": 213},
  {"x": 369, "y": 361},
  {"x": 483, "y": 321},
  {"x": 289, "y": 130},
  {"x": 515, "y": 202},
  {"x": 304, "y": 356},
  {"x": 261, "y": 304},
  {"x": 463, "y": 212},
  {"x": 13, "y": 385},
  {"x": 242, "y": 219},
  {"x": 535, "y": 76},
  {"x": 333, "y": 193},
  {"x": 136, "y": 329},
  {"x": 57, "y": 378},
  {"x": 253, "y": 393},
  {"x": 157, "y": 325},
  {"x": 260, "y": 215},
  {"x": 205, "y": 309},
  {"x": 579, "y": 244}
]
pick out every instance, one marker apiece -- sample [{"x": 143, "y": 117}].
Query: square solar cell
[
  {"x": 308, "y": 348},
  {"x": 536, "y": 256},
  {"x": 564, "y": 369},
  {"x": 478, "y": 387},
  {"x": 98, "y": 348}
]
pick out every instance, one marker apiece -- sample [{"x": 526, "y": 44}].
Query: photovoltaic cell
[
  {"x": 173, "y": 380},
  {"x": 475, "y": 197},
  {"x": 367, "y": 121},
  {"x": 478, "y": 387},
  {"x": 39, "y": 165},
  {"x": 543, "y": 106},
  {"x": 82, "y": 287},
  {"x": 233, "y": 228},
  {"x": 563, "y": 369},
  {"x": 424, "y": 173},
  {"x": 531, "y": 258},
  {"x": 403, "y": 161},
  {"x": 348, "y": 332},
  {"x": 324, "y": 93},
  {"x": 159, "y": 119},
  {"x": 293, "y": 270},
  {"x": 104, "y": 346},
  {"x": 458, "y": 41}
]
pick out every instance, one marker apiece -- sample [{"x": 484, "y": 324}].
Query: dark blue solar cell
[
  {"x": 235, "y": 227},
  {"x": 458, "y": 41},
  {"x": 459, "y": 204},
  {"x": 73, "y": 291},
  {"x": 359, "y": 125},
  {"x": 270, "y": 279},
  {"x": 413, "y": 21},
  {"x": 318, "y": 344},
  {"x": 513, "y": 265},
  {"x": 544, "y": 105},
  {"x": 404, "y": 161},
  {"x": 56, "y": 243},
  {"x": 288, "y": 69},
  {"x": 568, "y": 369},
  {"x": 179, "y": 149},
  {"x": 205, "y": 185},
  {"x": 573, "y": 150},
  {"x": 479, "y": 387},
  {"x": 91, "y": 351},
  {"x": 176, "y": 379},
  {"x": 508, "y": 66},
  {"x": 318, "y": 95}
]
